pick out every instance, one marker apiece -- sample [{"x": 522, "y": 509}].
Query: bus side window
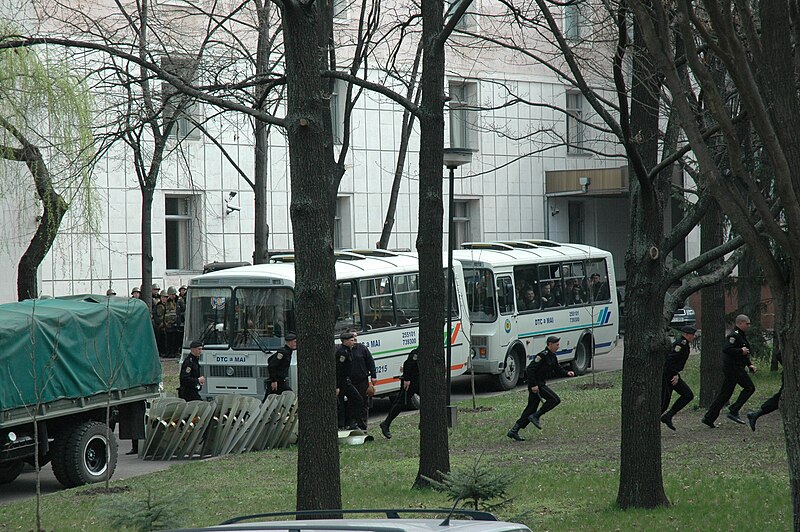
[
  {"x": 505, "y": 294},
  {"x": 406, "y": 298},
  {"x": 347, "y": 311},
  {"x": 598, "y": 281}
]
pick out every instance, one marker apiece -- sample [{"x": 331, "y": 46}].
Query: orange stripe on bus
[
  {"x": 455, "y": 333},
  {"x": 386, "y": 381}
]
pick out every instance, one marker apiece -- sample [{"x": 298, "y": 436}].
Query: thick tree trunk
[
  {"x": 311, "y": 159},
  {"x": 641, "y": 484},
  {"x": 786, "y": 304},
  {"x": 434, "y": 457},
  {"x": 713, "y": 313},
  {"x": 748, "y": 290},
  {"x": 54, "y": 208}
]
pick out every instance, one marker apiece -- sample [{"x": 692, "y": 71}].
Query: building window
[
  {"x": 338, "y": 104},
  {"x": 341, "y": 224},
  {"x": 573, "y": 20},
  {"x": 576, "y": 129},
  {"x": 340, "y": 9},
  {"x": 181, "y": 232},
  {"x": 465, "y": 221},
  {"x": 183, "y": 109},
  {"x": 577, "y": 221},
  {"x": 467, "y": 21},
  {"x": 463, "y": 116}
]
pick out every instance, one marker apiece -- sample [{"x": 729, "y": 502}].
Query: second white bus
[
  {"x": 521, "y": 292},
  {"x": 242, "y": 314}
]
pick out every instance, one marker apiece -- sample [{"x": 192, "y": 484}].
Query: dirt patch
[
  {"x": 596, "y": 385},
  {"x": 102, "y": 490},
  {"x": 476, "y": 410}
]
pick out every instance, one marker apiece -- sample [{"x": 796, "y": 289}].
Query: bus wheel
[
  {"x": 509, "y": 377},
  {"x": 580, "y": 364}
]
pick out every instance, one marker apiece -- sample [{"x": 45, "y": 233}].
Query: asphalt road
[{"x": 130, "y": 466}]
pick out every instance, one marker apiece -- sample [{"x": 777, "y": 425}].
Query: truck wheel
[
  {"x": 512, "y": 368},
  {"x": 10, "y": 470},
  {"x": 88, "y": 455},
  {"x": 58, "y": 458}
]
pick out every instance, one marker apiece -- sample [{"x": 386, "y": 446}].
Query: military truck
[{"x": 69, "y": 365}]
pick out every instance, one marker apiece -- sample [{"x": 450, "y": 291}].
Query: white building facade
[{"x": 203, "y": 210}]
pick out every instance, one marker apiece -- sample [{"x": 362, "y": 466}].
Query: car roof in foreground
[{"x": 376, "y": 525}]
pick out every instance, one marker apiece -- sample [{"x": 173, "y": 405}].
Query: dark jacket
[
  {"x": 677, "y": 357},
  {"x": 734, "y": 343},
  {"x": 343, "y": 363},
  {"x": 363, "y": 365},
  {"x": 278, "y": 364},
  {"x": 411, "y": 367},
  {"x": 190, "y": 373},
  {"x": 544, "y": 365}
]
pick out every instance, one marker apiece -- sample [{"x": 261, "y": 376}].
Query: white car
[{"x": 479, "y": 522}]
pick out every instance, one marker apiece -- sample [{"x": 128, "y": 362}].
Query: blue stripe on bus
[
  {"x": 562, "y": 329},
  {"x": 607, "y": 344},
  {"x": 608, "y": 316}
]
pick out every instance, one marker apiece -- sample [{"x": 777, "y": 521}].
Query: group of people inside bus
[{"x": 538, "y": 295}]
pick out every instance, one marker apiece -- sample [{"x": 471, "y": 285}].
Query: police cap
[
  {"x": 688, "y": 329},
  {"x": 290, "y": 336},
  {"x": 196, "y": 343},
  {"x": 347, "y": 335},
  {"x": 553, "y": 339}
]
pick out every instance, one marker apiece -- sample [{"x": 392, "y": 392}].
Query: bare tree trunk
[
  {"x": 434, "y": 457},
  {"x": 641, "y": 484},
  {"x": 261, "y": 191},
  {"x": 147, "y": 245},
  {"x": 312, "y": 168},
  {"x": 713, "y": 313},
  {"x": 406, "y": 129}
]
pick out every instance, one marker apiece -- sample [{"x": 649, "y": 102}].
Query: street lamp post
[{"x": 453, "y": 158}]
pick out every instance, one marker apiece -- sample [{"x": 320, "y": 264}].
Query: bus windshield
[
  {"x": 480, "y": 294},
  {"x": 261, "y": 317},
  {"x": 208, "y": 320}
]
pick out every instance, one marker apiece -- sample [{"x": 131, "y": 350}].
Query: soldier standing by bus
[
  {"x": 409, "y": 387},
  {"x": 544, "y": 365},
  {"x": 278, "y": 366},
  {"x": 676, "y": 360},
  {"x": 350, "y": 410}
]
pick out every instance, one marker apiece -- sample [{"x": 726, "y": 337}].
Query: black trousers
[
  {"x": 283, "y": 386},
  {"x": 551, "y": 400},
  {"x": 685, "y": 395},
  {"x": 350, "y": 410},
  {"x": 363, "y": 414},
  {"x": 771, "y": 404},
  {"x": 402, "y": 401},
  {"x": 733, "y": 375}
]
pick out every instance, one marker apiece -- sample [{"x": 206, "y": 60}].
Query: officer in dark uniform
[
  {"x": 278, "y": 366},
  {"x": 350, "y": 411},
  {"x": 770, "y": 405},
  {"x": 409, "y": 387},
  {"x": 362, "y": 373},
  {"x": 191, "y": 380},
  {"x": 543, "y": 365},
  {"x": 676, "y": 360},
  {"x": 736, "y": 359}
]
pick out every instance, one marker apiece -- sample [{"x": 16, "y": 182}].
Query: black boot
[
  {"x": 752, "y": 417},
  {"x": 666, "y": 419},
  {"x": 385, "y": 430},
  {"x": 514, "y": 433}
]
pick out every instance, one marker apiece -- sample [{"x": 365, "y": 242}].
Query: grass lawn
[{"x": 564, "y": 477}]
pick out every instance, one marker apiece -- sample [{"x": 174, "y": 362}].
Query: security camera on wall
[{"x": 229, "y": 206}]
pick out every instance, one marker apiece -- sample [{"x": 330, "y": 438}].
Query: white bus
[
  {"x": 521, "y": 292},
  {"x": 242, "y": 314}
]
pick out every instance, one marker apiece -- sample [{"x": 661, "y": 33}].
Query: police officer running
[
  {"x": 736, "y": 359},
  {"x": 410, "y": 386},
  {"x": 676, "y": 360},
  {"x": 349, "y": 411},
  {"x": 278, "y": 367},
  {"x": 770, "y": 405},
  {"x": 191, "y": 380},
  {"x": 543, "y": 365}
]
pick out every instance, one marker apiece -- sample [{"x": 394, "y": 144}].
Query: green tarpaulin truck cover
[{"x": 72, "y": 347}]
